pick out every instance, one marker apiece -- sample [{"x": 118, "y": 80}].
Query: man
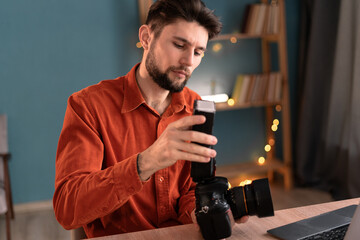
[{"x": 125, "y": 150}]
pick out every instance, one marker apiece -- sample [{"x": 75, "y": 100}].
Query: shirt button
[
  {"x": 161, "y": 179},
  {"x": 163, "y": 210}
]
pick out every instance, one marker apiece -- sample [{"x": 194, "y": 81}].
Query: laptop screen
[{"x": 354, "y": 229}]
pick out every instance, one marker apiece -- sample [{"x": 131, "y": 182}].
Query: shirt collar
[
  {"x": 178, "y": 103},
  {"x": 133, "y": 97}
]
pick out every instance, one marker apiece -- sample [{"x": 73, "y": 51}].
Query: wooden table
[{"x": 255, "y": 228}]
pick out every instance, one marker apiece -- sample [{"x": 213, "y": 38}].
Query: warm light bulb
[
  {"x": 274, "y": 128},
  {"x": 276, "y": 122},
  {"x": 138, "y": 45},
  {"x": 278, "y": 108},
  {"x": 261, "y": 160},
  {"x": 230, "y": 102},
  {"x": 217, "y": 47},
  {"x": 233, "y": 39},
  {"x": 271, "y": 141},
  {"x": 229, "y": 185},
  {"x": 267, "y": 148}
]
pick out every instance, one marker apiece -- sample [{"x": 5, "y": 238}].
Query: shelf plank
[
  {"x": 226, "y": 107},
  {"x": 249, "y": 168},
  {"x": 268, "y": 37}
]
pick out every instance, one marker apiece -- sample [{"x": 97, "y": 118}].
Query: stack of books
[
  {"x": 261, "y": 18},
  {"x": 257, "y": 88}
]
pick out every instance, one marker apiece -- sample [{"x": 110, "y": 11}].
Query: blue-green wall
[{"x": 50, "y": 49}]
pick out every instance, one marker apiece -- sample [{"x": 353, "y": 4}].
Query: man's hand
[
  {"x": 243, "y": 219},
  {"x": 176, "y": 143}
]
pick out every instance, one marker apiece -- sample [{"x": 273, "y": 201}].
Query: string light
[
  {"x": 276, "y": 122},
  {"x": 230, "y": 102},
  {"x": 271, "y": 141},
  {"x": 267, "y": 148},
  {"x": 278, "y": 108},
  {"x": 233, "y": 40},
  {"x": 217, "y": 47},
  {"x": 261, "y": 160},
  {"x": 229, "y": 185},
  {"x": 274, "y": 128}
]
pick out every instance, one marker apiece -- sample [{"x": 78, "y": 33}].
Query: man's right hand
[{"x": 177, "y": 143}]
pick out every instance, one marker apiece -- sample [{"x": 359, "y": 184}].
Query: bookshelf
[{"x": 272, "y": 164}]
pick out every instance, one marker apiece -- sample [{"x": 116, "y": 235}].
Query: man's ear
[{"x": 145, "y": 36}]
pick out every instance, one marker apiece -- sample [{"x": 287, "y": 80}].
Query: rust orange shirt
[{"x": 97, "y": 186}]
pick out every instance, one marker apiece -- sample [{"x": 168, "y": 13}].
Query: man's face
[{"x": 175, "y": 54}]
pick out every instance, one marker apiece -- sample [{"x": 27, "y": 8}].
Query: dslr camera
[{"x": 216, "y": 204}]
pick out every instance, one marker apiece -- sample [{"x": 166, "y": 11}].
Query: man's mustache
[{"x": 181, "y": 68}]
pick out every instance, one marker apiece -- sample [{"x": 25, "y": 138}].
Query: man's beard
[{"x": 162, "y": 78}]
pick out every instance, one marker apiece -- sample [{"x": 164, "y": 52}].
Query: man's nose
[{"x": 187, "y": 58}]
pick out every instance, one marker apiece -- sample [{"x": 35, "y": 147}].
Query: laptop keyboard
[{"x": 333, "y": 234}]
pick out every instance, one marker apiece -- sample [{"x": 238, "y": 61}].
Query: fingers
[
  {"x": 177, "y": 142},
  {"x": 195, "y": 152},
  {"x": 193, "y": 157},
  {"x": 193, "y": 217},
  {"x": 184, "y": 125},
  {"x": 198, "y": 137},
  {"x": 183, "y": 141},
  {"x": 243, "y": 219}
]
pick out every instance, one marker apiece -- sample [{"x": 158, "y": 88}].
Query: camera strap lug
[{"x": 204, "y": 209}]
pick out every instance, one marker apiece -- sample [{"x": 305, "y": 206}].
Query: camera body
[{"x": 216, "y": 205}]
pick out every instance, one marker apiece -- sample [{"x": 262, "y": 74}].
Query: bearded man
[{"x": 125, "y": 151}]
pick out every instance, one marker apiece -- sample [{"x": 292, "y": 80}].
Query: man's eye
[
  {"x": 199, "y": 53},
  {"x": 178, "y": 45}
]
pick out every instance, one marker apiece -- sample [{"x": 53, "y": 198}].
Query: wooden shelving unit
[{"x": 281, "y": 166}]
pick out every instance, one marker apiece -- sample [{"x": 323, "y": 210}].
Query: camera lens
[{"x": 252, "y": 199}]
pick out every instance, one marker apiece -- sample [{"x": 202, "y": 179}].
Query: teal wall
[{"x": 50, "y": 49}]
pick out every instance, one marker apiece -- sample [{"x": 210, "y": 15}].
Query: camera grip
[{"x": 215, "y": 226}]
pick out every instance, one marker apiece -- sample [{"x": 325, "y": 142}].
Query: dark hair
[{"x": 165, "y": 12}]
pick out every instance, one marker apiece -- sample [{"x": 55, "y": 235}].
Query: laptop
[{"x": 343, "y": 223}]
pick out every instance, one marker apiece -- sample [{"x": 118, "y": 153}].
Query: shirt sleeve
[{"x": 83, "y": 190}]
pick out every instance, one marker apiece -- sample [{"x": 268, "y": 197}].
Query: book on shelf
[
  {"x": 243, "y": 89},
  {"x": 273, "y": 21},
  {"x": 278, "y": 87},
  {"x": 261, "y": 18},
  {"x": 274, "y": 87},
  {"x": 250, "y": 89},
  {"x": 255, "y": 92},
  {"x": 270, "y": 96},
  {"x": 237, "y": 88},
  {"x": 257, "y": 88},
  {"x": 262, "y": 88}
]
